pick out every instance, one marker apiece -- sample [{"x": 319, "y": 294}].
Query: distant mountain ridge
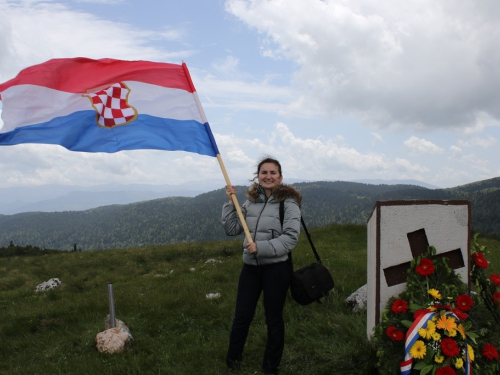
[
  {"x": 193, "y": 219},
  {"x": 398, "y": 182},
  {"x": 58, "y": 198},
  {"x": 52, "y": 198}
]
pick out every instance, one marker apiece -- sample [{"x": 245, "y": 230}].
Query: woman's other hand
[{"x": 251, "y": 247}]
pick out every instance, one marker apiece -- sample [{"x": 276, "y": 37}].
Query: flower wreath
[{"x": 437, "y": 326}]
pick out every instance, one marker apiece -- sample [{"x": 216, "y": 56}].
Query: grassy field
[{"x": 160, "y": 294}]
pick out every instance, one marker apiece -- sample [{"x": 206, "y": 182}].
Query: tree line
[{"x": 186, "y": 219}]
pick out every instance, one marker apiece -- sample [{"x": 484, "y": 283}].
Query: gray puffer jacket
[{"x": 263, "y": 220}]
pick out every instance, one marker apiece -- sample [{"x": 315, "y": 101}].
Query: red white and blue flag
[{"x": 105, "y": 105}]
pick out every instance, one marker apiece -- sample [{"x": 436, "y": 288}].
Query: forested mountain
[{"x": 187, "y": 219}]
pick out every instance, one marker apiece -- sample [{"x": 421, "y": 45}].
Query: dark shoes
[{"x": 233, "y": 365}]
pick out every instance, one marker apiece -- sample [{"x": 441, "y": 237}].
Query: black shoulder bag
[{"x": 312, "y": 282}]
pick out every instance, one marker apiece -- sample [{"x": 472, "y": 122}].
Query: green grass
[{"x": 176, "y": 329}]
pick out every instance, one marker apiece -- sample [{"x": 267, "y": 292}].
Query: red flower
[
  {"x": 400, "y": 306},
  {"x": 490, "y": 352},
  {"x": 480, "y": 260},
  {"x": 447, "y": 370},
  {"x": 496, "y": 297},
  {"x": 418, "y": 312},
  {"x": 425, "y": 268},
  {"x": 460, "y": 314},
  {"x": 449, "y": 347},
  {"x": 394, "y": 334},
  {"x": 464, "y": 302},
  {"x": 495, "y": 279}
]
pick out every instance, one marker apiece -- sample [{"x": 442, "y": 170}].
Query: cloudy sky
[{"x": 335, "y": 89}]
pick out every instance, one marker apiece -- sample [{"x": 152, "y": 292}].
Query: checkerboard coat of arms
[{"x": 111, "y": 105}]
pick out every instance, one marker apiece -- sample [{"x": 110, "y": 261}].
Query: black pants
[{"x": 273, "y": 280}]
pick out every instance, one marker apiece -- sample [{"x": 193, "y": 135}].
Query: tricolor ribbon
[{"x": 412, "y": 336}]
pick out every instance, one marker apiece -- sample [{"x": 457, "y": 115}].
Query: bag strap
[
  {"x": 282, "y": 217},
  {"x": 310, "y": 240}
]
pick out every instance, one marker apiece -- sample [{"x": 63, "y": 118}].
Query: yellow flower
[
  {"x": 452, "y": 333},
  {"x": 461, "y": 330},
  {"x": 459, "y": 363},
  {"x": 428, "y": 331},
  {"x": 446, "y": 323},
  {"x": 439, "y": 359},
  {"x": 436, "y": 336},
  {"x": 435, "y": 293},
  {"x": 418, "y": 350},
  {"x": 471, "y": 353}
]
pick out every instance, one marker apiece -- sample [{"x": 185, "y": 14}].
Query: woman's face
[{"x": 269, "y": 176}]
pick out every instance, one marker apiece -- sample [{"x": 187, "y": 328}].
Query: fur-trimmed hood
[{"x": 282, "y": 192}]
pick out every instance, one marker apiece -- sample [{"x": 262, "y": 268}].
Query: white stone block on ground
[
  {"x": 48, "y": 285},
  {"x": 357, "y": 300}
]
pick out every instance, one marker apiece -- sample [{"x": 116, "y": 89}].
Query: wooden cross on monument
[{"x": 419, "y": 244}]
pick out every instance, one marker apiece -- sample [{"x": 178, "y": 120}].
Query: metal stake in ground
[{"x": 111, "y": 301}]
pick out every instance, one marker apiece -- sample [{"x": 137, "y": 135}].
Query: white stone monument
[{"x": 399, "y": 231}]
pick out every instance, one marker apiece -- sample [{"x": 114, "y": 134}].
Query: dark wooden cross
[{"x": 419, "y": 244}]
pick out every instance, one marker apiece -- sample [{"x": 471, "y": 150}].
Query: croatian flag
[{"x": 105, "y": 105}]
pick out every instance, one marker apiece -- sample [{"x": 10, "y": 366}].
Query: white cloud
[
  {"x": 108, "y": 2},
  {"x": 35, "y": 31},
  {"x": 303, "y": 158},
  {"x": 479, "y": 142},
  {"x": 323, "y": 156},
  {"x": 477, "y": 164},
  {"x": 404, "y": 165},
  {"x": 422, "y": 146},
  {"x": 33, "y": 164},
  {"x": 316, "y": 159},
  {"x": 376, "y": 138},
  {"x": 417, "y": 63},
  {"x": 238, "y": 94},
  {"x": 227, "y": 65},
  {"x": 481, "y": 122},
  {"x": 451, "y": 177},
  {"x": 240, "y": 151}
]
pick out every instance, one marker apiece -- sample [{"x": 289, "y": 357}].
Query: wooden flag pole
[
  {"x": 235, "y": 201},
  {"x": 224, "y": 172}
]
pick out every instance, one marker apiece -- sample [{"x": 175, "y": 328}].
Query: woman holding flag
[{"x": 267, "y": 266}]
